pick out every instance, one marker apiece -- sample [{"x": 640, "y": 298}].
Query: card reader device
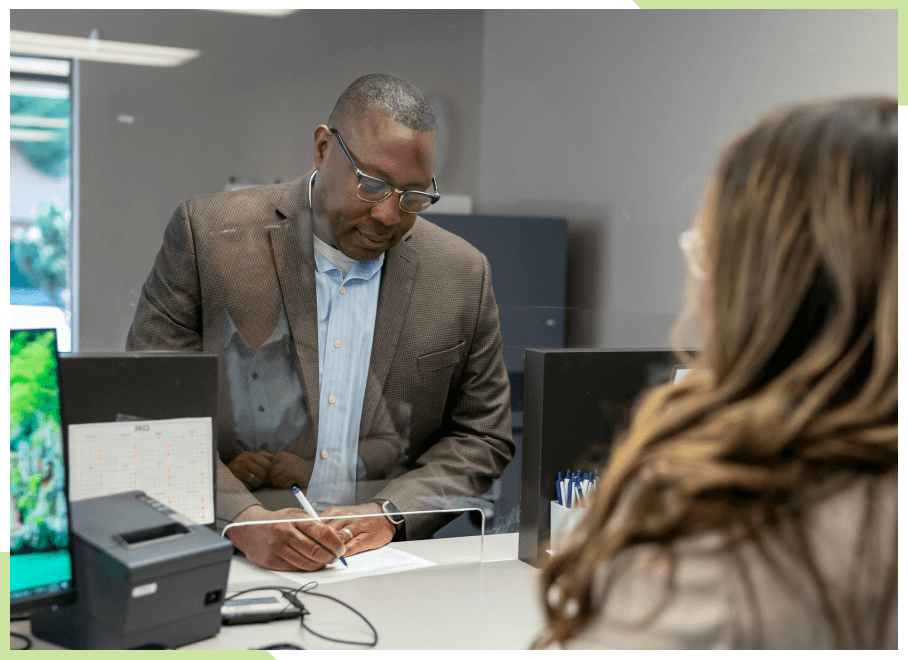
[
  {"x": 268, "y": 605},
  {"x": 147, "y": 576}
]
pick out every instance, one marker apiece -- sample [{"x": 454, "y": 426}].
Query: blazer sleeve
[
  {"x": 169, "y": 317},
  {"x": 169, "y": 313},
  {"x": 474, "y": 444}
]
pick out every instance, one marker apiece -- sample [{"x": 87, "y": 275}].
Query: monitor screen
[{"x": 40, "y": 566}]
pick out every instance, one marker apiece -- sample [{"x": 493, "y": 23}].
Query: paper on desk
[{"x": 373, "y": 562}]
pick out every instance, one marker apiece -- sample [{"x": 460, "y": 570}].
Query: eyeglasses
[
  {"x": 375, "y": 190},
  {"x": 692, "y": 246}
]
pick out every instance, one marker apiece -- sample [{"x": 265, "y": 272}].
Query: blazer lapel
[
  {"x": 291, "y": 245},
  {"x": 393, "y": 300}
]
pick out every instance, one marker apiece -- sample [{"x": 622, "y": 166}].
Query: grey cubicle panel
[
  {"x": 576, "y": 402},
  {"x": 528, "y": 258},
  {"x": 107, "y": 387}
]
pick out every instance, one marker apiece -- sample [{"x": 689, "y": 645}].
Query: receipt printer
[{"x": 146, "y": 577}]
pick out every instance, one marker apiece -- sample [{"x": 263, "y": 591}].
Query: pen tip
[{"x": 343, "y": 561}]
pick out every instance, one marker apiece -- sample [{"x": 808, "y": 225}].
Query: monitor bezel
[{"x": 26, "y": 606}]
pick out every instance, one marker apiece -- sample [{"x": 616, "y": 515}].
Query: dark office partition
[
  {"x": 528, "y": 257},
  {"x": 110, "y": 387},
  {"x": 576, "y": 402}
]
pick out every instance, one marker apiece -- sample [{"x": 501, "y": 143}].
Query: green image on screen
[{"x": 40, "y": 560}]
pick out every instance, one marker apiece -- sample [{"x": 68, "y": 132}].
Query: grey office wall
[{"x": 614, "y": 118}]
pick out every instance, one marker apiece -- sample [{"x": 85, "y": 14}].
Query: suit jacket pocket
[{"x": 440, "y": 359}]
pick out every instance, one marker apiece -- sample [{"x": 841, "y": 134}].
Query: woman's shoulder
[{"x": 703, "y": 595}]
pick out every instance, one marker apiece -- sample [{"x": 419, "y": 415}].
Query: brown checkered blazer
[{"x": 437, "y": 344}]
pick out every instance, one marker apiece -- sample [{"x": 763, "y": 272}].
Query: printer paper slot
[{"x": 142, "y": 537}]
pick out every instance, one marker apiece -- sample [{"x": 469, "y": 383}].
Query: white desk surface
[{"x": 460, "y": 604}]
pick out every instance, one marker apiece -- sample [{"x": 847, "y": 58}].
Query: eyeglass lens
[{"x": 373, "y": 190}]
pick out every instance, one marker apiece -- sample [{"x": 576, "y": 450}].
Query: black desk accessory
[
  {"x": 147, "y": 576},
  {"x": 576, "y": 402}
]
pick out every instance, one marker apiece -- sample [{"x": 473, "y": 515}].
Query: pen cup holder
[{"x": 563, "y": 523}]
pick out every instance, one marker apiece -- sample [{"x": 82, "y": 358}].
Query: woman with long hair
[{"x": 754, "y": 505}]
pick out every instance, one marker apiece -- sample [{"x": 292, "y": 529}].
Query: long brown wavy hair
[{"x": 795, "y": 391}]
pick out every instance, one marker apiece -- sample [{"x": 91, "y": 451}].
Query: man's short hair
[{"x": 392, "y": 96}]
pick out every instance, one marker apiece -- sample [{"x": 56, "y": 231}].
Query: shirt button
[
  {"x": 324, "y": 454},
  {"x": 331, "y": 399},
  {"x": 343, "y": 289},
  {"x": 261, "y": 408},
  {"x": 337, "y": 344},
  {"x": 255, "y": 376}
]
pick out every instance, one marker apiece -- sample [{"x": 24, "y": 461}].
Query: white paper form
[
  {"x": 171, "y": 460},
  {"x": 372, "y": 562}
]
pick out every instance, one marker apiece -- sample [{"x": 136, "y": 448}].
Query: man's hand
[
  {"x": 360, "y": 534},
  {"x": 286, "y": 546},
  {"x": 251, "y": 468},
  {"x": 286, "y": 470}
]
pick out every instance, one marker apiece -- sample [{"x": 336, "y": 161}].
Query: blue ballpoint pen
[
  {"x": 308, "y": 509},
  {"x": 558, "y": 490}
]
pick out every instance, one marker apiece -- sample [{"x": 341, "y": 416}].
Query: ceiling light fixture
[
  {"x": 274, "y": 13},
  {"x": 98, "y": 50}
]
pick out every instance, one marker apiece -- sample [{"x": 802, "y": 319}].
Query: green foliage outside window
[{"x": 40, "y": 255}]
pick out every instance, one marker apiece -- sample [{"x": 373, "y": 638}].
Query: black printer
[{"x": 146, "y": 577}]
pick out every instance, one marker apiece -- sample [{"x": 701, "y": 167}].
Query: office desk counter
[{"x": 461, "y": 603}]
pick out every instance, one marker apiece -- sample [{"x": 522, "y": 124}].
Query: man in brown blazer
[{"x": 361, "y": 357}]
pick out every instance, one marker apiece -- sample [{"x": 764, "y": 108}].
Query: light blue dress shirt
[{"x": 346, "y": 326}]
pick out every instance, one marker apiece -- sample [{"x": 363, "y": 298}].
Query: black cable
[
  {"x": 27, "y": 640},
  {"x": 349, "y": 607},
  {"x": 291, "y": 596}
]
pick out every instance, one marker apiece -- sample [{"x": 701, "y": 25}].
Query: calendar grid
[{"x": 170, "y": 460}]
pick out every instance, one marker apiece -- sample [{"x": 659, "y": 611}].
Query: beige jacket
[{"x": 712, "y": 607}]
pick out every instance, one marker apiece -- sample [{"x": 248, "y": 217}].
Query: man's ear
[{"x": 322, "y": 140}]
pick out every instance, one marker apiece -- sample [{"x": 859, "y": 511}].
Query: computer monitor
[{"x": 40, "y": 565}]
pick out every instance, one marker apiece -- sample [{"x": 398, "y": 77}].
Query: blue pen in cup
[{"x": 308, "y": 509}]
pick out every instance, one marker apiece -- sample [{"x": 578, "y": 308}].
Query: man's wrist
[
  {"x": 392, "y": 513},
  {"x": 254, "y": 512}
]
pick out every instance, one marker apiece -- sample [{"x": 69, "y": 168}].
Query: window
[{"x": 41, "y": 194}]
